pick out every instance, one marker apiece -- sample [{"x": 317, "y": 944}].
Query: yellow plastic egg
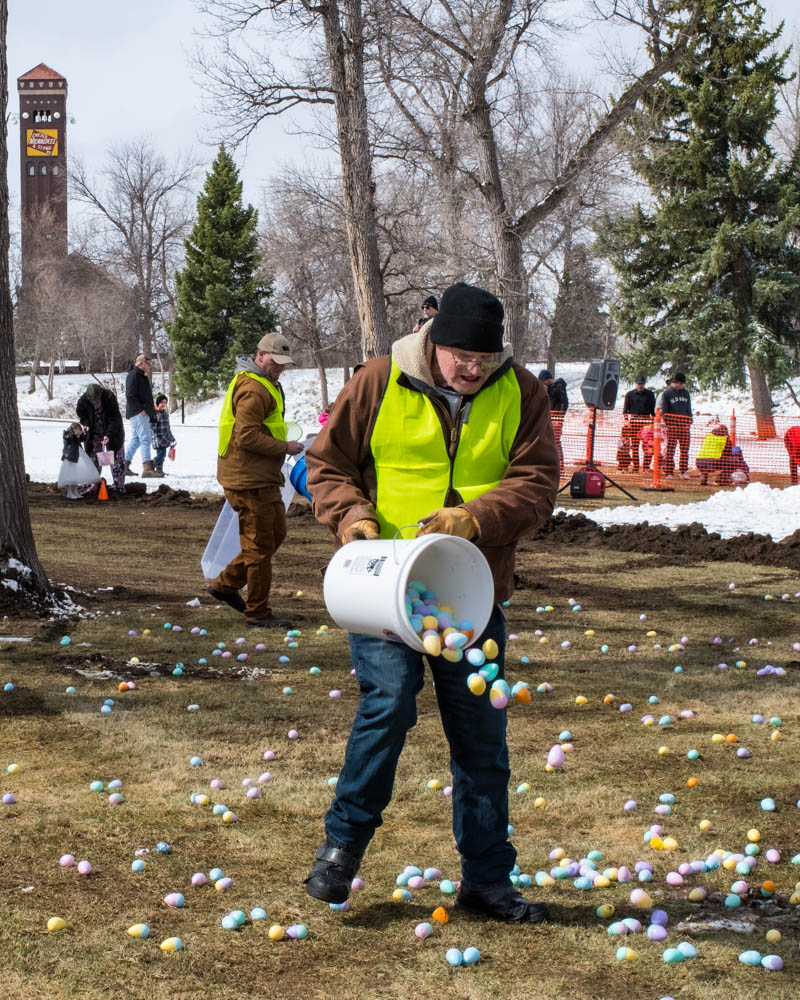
[
  {"x": 649, "y": 721},
  {"x": 794, "y": 899},
  {"x": 651, "y": 634},
  {"x": 697, "y": 895},
  {"x": 56, "y": 924},
  {"x": 452, "y": 655},
  {"x": 773, "y": 935},
  {"x": 435, "y": 784},
  {"x": 670, "y": 844},
  {"x": 657, "y": 843},
  {"x": 476, "y": 683},
  {"x": 717, "y": 738},
  {"x": 539, "y": 803},
  {"x": 430, "y": 621},
  {"x": 448, "y": 631},
  {"x": 558, "y": 854},
  {"x": 171, "y": 944},
  {"x": 776, "y": 735},
  {"x": 397, "y": 896},
  {"x": 581, "y": 700},
  {"x": 432, "y": 645},
  {"x": 753, "y": 835},
  {"x": 567, "y": 747},
  {"x": 489, "y": 649},
  {"x": 12, "y": 768},
  {"x": 549, "y": 768},
  {"x": 706, "y": 825},
  {"x": 228, "y": 817},
  {"x": 729, "y": 864},
  {"x": 589, "y": 632},
  {"x": 277, "y": 933},
  {"x": 606, "y": 911},
  {"x": 644, "y": 902},
  {"x": 628, "y": 954},
  {"x": 663, "y": 751},
  {"x": 146, "y": 631},
  {"x": 544, "y": 640},
  {"x": 601, "y": 882}
]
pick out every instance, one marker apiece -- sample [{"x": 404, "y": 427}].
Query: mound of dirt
[{"x": 688, "y": 542}]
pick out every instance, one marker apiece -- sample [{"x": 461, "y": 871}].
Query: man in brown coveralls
[{"x": 252, "y": 450}]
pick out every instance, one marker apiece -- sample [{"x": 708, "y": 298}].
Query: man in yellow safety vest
[
  {"x": 252, "y": 450},
  {"x": 449, "y": 435}
]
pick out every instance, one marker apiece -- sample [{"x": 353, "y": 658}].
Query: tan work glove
[
  {"x": 450, "y": 521},
  {"x": 361, "y": 530}
]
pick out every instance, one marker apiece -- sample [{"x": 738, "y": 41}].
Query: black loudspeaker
[{"x": 599, "y": 387}]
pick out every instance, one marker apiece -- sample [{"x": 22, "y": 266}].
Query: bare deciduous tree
[
  {"x": 16, "y": 534},
  {"x": 248, "y": 87},
  {"x": 143, "y": 212}
]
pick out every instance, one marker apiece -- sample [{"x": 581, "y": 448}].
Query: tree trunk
[
  {"x": 37, "y": 357},
  {"x": 762, "y": 403},
  {"x": 344, "y": 44},
  {"x": 16, "y": 534},
  {"x": 345, "y": 374},
  {"x": 323, "y": 384},
  {"x": 51, "y": 376}
]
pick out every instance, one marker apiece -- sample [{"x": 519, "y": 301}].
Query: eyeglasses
[{"x": 465, "y": 361}]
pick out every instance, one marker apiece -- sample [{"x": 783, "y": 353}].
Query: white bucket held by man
[{"x": 366, "y": 582}]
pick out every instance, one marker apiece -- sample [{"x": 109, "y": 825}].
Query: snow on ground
[{"x": 756, "y": 507}]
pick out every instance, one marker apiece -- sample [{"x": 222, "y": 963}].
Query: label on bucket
[{"x": 364, "y": 566}]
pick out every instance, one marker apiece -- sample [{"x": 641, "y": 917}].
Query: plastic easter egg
[
  {"x": 292, "y": 735},
  {"x": 470, "y": 956},
  {"x": 446, "y": 887},
  {"x": 732, "y": 900},
  {"x": 605, "y": 911},
  {"x": 750, "y": 957},
  {"x": 423, "y": 930},
  {"x": 66, "y": 860},
  {"x": 768, "y": 805},
  {"x": 171, "y": 944},
  {"x": 672, "y": 955},
  {"x": 476, "y": 683},
  {"x": 258, "y": 913},
  {"x": 137, "y": 865},
  {"x": 656, "y": 932},
  {"x": 222, "y": 884},
  {"x": 454, "y": 956},
  {"x": 276, "y": 933},
  {"x": 139, "y": 931},
  {"x": 229, "y": 923},
  {"x": 56, "y": 924},
  {"x": 687, "y": 949},
  {"x": 199, "y": 879},
  {"x": 489, "y": 671},
  {"x": 84, "y": 868},
  {"x": 174, "y": 899},
  {"x": 697, "y": 895},
  {"x": 581, "y": 700},
  {"x": 772, "y": 962},
  {"x": 625, "y": 954},
  {"x": 555, "y": 757},
  {"x": 489, "y": 649}
]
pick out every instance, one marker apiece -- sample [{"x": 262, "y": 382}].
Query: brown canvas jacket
[
  {"x": 341, "y": 473},
  {"x": 254, "y": 457}
]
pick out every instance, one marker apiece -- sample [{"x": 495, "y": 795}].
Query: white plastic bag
[{"x": 80, "y": 473}]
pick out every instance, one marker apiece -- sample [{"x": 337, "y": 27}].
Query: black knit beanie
[{"x": 469, "y": 318}]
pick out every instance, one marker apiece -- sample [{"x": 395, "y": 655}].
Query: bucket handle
[{"x": 396, "y": 535}]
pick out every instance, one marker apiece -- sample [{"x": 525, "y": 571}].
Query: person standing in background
[
  {"x": 140, "y": 410},
  {"x": 163, "y": 438},
  {"x": 638, "y": 411},
  {"x": 676, "y": 408},
  {"x": 559, "y": 404}
]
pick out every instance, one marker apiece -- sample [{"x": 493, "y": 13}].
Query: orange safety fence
[{"x": 709, "y": 450}]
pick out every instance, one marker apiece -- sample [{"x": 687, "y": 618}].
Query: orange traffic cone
[{"x": 103, "y": 493}]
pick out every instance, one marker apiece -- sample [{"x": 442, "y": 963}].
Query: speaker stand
[{"x": 589, "y": 464}]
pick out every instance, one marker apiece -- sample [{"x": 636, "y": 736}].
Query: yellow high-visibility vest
[
  {"x": 713, "y": 446},
  {"x": 274, "y": 423},
  {"x": 411, "y": 453}
]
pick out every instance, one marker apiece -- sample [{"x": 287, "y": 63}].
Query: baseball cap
[
  {"x": 277, "y": 346},
  {"x": 639, "y": 380}
]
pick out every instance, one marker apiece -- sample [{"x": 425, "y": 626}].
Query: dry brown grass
[{"x": 63, "y": 742}]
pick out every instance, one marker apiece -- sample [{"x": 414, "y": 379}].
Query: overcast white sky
[{"x": 128, "y": 73}]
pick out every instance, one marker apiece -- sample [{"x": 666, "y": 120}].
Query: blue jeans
[
  {"x": 390, "y": 676},
  {"x": 140, "y": 437},
  {"x": 161, "y": 454}
]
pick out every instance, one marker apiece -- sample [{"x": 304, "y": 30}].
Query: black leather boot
[
  {"x": 503, "y": 903},
  {"x": 332, "y": 873}
]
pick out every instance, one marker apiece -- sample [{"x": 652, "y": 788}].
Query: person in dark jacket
[
  {"x": 140, "y": 410},
  {"x": 163, "y": 438},
  {"x": 98, "y": 411},
  {"x": 676, "y": 408},
  {"x": 559, "y": 404},
  {"x": 638, "y": 411},
  {"x": 70, "y": 455}
]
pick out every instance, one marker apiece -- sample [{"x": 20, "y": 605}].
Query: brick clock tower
[{"x": 43, "y": 163}]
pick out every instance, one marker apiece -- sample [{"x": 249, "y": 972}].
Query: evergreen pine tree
[
  {"x": 580, "y": 328},
  {"x": 223, "y": 303},
  {"x": 709, "y": 273}
]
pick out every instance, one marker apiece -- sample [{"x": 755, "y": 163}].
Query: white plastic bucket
[
  {"x": 365, "y": 584},
  {"x": 224, "y": 545}
]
